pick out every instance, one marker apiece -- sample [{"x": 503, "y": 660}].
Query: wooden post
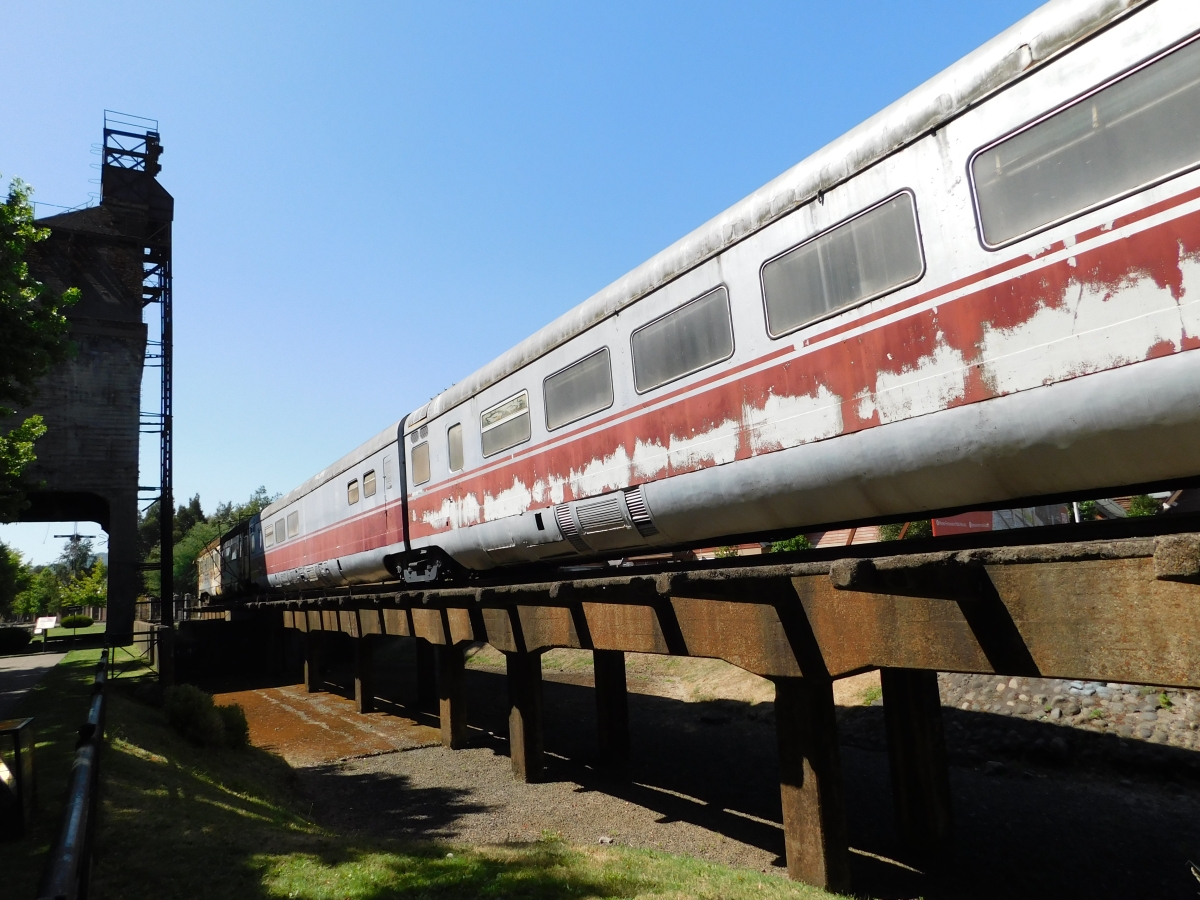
[
  {"x": 364, "y": 674},
  {"x": 452, "y": 706},
  {"x": 426, "y": 675},
  {"x": 612, "y": 707},
  {"x": 525, "y": 714},
  {"x": 912, "y": 709},
  {"x": 314, "y": 647},
  {"x": 814, "y": 815}
]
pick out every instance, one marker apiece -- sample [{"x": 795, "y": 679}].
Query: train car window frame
[
  {"x": 720, "y": 288},
  {"x": 1059, "y": 110},
  {"x": 280, "y": 531},
  {"x": 520, "y": 409},
  {"x": 368, "y": 483},
  {"x": 387, "y": 473},
  {"x": 293, "y": 524},
  {"x": 546, "y": 389},
  {"x": 827, "y": 232},
  {"x": 268, "y": 536},
  {"x": 421, "y": 471},
  {"x": 351, "y": 491},
  {"x": 454, "y": 442}
]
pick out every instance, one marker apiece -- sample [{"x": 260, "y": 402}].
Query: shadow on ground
[{"x": 1041, "y": 810}]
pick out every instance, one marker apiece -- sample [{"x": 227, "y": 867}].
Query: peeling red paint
[{"x": 849, "y": 371}]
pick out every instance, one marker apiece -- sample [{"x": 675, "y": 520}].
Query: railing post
[
  {"x": 814, "y": 815},
  {"x": 452, "y": 707},
  {"x": 525, "y": 714},
  {"x": 612, "y": 707}
]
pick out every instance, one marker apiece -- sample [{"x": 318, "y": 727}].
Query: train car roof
[
  {"x": 355, "y": 456},
  {"x": 1041, "y": 36}
]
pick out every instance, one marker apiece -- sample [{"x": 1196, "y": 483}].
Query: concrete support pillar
[
  {"x": 612, "y": 708},
  {"x": 364, "y": 674},
  {"x": 814, "y": 815},
  {"x": 166, "y": 655},
  {"x": 426, "y": 675},
  {"x": 314, "y": 658},
  {"x": 124, "y": 576},
  {"x": 912, "y": 709},
  {"x": 452, "y": 701},
  {"x": 525, "y": 714}
]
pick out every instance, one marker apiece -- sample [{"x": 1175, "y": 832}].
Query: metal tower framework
[{"x": 133, "y": 144}]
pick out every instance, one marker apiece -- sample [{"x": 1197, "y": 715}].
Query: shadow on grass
[
  {"x": 182, "y": 821},
  {"x": 59, "y": 705}
]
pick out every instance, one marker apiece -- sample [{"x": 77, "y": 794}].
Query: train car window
[
  {"x": 268, "y": 534},
  {"x": 420, "y": 463},
  {"x": 875, "y": 252},
  {"x": 293, "y": 524},
  {"x": 582, "y": 388},
  {"x": 454, "y": 440},
  {"x": 387, "y": 473},
  {"x": 505, "y": 425},
  {"x": 1126, "y": 135},
  {"x": 280, "y": 534},
  {"x": 352, "y": 492},
  {"x": 369, "y": 484},
  {"x": 686, "y": 340}
]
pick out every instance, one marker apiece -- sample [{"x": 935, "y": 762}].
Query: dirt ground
[{"x": 1096, "y": 823}]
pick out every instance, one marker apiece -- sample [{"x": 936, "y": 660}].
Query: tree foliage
[
  {"x": 193, "y": 530},
  {"x": 15, "y": 576},
  {"x": 33, "y": 337}
]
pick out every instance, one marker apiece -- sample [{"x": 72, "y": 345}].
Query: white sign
[{"x": 44, "y": 623}]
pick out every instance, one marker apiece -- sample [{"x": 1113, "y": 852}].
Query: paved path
[{"x": 20, "y": 673}]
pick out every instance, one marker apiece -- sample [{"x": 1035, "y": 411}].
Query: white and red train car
[{"x": 988, "y": 291}]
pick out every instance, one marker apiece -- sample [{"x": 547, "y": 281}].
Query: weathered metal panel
[
  {"x": 370, "y": 621},
  {"x": 1107, "y": 621},
  {"x": 427, "y": 624},
  {"x": 858, "y": 631},
  {"x": 499, "y": 630},
  {"x": 746, "y": 634},
  {"x": 544, "y": 627},
  {"x": 633, "y": 628},
  {"x": 396, "y": 622},
  {"x": 461, "y": 628}
]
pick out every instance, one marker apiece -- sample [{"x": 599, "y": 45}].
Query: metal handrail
[{"x": 68, "y": 868}]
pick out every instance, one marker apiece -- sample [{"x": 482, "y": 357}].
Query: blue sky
[{"x": 374, "y": 199}]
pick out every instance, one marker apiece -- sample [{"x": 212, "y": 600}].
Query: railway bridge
[{"x": 1092, "y": 601}]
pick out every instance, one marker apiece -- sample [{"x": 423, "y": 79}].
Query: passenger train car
[{"x": 987, "y": 291}]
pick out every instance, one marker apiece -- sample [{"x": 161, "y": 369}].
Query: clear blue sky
[{"x": 374, "y": 199}]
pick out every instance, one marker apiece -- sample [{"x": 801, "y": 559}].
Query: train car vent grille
[
  {"x": 605, "y": 515},
  {"x": 566, "y": 524},
  {"x": 639, "y": 513}
]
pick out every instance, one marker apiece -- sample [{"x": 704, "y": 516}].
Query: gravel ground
[{"x": 1045, "y": 806}]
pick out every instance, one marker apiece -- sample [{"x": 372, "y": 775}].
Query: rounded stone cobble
[{"x": 1144, "y": 713}]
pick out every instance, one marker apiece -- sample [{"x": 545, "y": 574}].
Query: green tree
[
  {"x": 42, "y": 597},
  {"x": 33, "y": 337},
  {"x": 89, "y": 588},
  {"x": 799, "y": 542},
  {"x": 75, "y": 561},
  {"x": 14, "y": 578},
  {"x": 1144, "y": 505}
]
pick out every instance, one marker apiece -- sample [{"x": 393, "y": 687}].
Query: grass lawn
[
  {"x": 179, "y": 821},
  {"x": 59, "y": 705}
]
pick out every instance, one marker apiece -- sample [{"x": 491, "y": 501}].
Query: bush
[
  {"x": 14, "y": 640},
  {"x": 193, "y": 714},
  {"x": 799, "y": 542},
  {"x": 922, "y": 528},
  {"x": 237, "y": 729},
  {"x": 76, "y": 622}
]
